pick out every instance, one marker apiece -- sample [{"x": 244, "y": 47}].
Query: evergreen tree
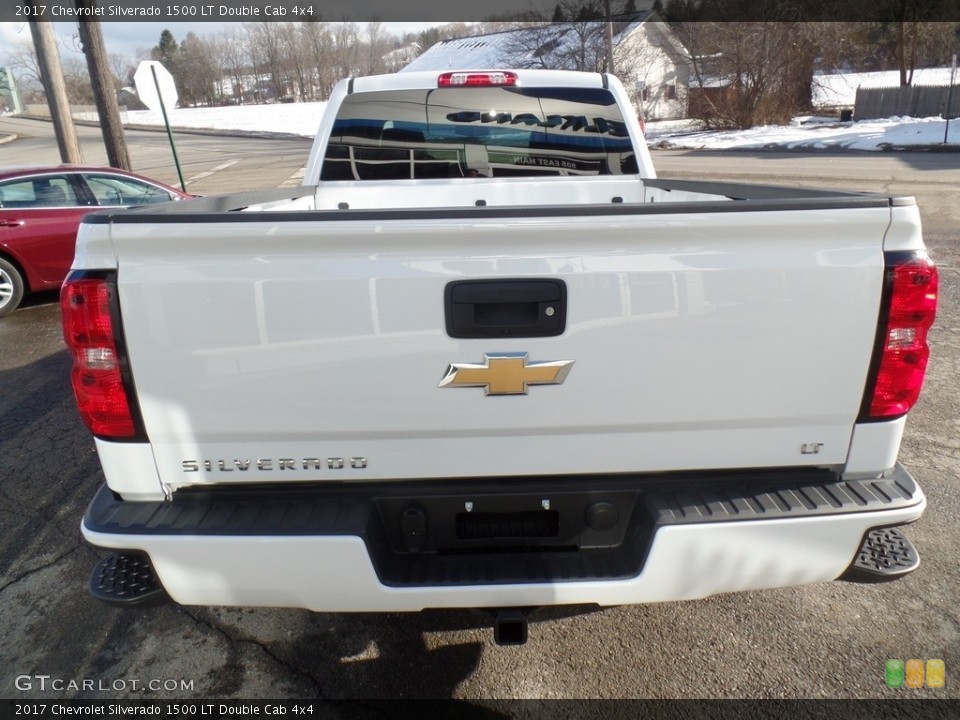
[{"x": 166, "y": 51}]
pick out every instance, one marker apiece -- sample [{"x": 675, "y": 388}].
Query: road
[
  {"x": 268, "y": 161},
  {"x": 822, "y": 641}
]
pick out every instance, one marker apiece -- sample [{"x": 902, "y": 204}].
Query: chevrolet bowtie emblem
[{"x": 506, "y": 374}]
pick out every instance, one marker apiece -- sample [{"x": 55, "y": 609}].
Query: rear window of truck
[{"x": 478, "y": 132}]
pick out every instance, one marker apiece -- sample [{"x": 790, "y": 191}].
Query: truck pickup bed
[{"x": 498, "y": 391}]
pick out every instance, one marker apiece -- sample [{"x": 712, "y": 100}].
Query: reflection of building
[
  {"x": 489, "y": 131},
  {"x": 9, "y": 97},
  {"x": 650, "y": 61}
]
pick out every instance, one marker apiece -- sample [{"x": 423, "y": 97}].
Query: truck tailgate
[{"x": 314, "y": 347}]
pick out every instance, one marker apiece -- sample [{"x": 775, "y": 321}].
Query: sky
[{"x": 125, "y": 38}]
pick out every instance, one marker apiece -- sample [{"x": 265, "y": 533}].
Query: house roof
[{"x": 523, "y": 47}]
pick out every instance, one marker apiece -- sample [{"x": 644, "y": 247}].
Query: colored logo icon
[
  {"x": 894, "y": 674},
  {"x": 936, "y": 674},
  {"x": 914, "y": 672}
]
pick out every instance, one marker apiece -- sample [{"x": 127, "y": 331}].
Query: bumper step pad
[
  {"x": 885, "y": 555},
  {"x": 126, "y": 580}
]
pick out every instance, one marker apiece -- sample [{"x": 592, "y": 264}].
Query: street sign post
[
  {"x": 953, "y": 74},
  {"x": 8, "y": 86},
  {"x": 158, "y": 91}
]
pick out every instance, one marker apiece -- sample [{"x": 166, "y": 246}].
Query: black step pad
[
  {"x": 127, "y": 580},
  {"x": 884, "y": 555}
]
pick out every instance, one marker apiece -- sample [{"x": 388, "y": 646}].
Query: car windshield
[
  {"x": 124, "y": 191},
  {"x": 478, "y": 132}
]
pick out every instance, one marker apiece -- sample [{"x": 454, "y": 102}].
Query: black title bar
[{"x": 458, "y": 10}]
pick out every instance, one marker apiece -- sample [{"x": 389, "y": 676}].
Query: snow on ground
[
  {"x": 293, "y": 118},
  {"x": 808, "y": 133},
  {"x": 840, "y": 89},
  {"x": 815, "y": 134}
]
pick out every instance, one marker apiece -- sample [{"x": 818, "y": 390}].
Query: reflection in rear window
[{"x": 478, "y": 132}]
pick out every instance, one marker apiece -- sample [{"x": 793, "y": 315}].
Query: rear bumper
[{"x": 606, "y": 541}]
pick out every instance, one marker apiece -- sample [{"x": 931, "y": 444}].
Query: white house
[{"x": 648, "y": 58}]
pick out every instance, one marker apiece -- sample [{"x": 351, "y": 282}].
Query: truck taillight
[
  {"x": 901, "y": 357},
  {"x": 476, "y": 79},
  {"x": 97, "y": 376}
]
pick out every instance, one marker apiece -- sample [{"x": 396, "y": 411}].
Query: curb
[
  {"x": 7, "y": 138},
  {"x": 265, "y": 134},
  {"x": 836, "y": 150}
]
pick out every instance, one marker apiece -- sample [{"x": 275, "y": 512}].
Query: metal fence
[{"x": 910, "y": 100}]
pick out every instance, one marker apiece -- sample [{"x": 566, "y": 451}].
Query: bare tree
[
  {"x": 122, "y": 68},
  {"x": 232, "y": 59},
  {"x": 346, "y": 49},
  {"x": 267, "y": 39},
  {"x": 76, "y": 79},
  {"x": 916, "y": 44},
  {"x": 914, "y": 38},
  {"x": 565, "y": 46},
  {"x": 576, "y": 39},
  {"x": 903, "y": 35},
  {"x": 295, "y": 59},
  {"x": 257, "y": 64},
  {"x": 199, "y": 73},
  {"x": 23, "y": 60},
  {"x": 319, "y": 45},
  {"x": 377, "y": 46},
  {"x": 749, "y": 73}
]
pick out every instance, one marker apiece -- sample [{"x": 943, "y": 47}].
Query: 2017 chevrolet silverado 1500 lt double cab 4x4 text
[{"x": 485, "y": 358}]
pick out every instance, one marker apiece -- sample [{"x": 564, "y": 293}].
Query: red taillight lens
[
  {"x": 904, "y": 353},
  {"x": 96, "y": 376},
  {"x": 476, "y": 79}
]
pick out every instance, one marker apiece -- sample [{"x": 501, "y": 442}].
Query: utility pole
[
  {"x": 51, "y": 74},
  {"x": 104, "y": 92},
  {"x": 610, "y": 67}
]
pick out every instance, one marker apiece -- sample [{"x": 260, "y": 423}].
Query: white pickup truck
[{"x": 485, "y": 358}]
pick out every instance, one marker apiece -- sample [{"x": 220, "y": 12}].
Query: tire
[{"x": 11, "y": 287}]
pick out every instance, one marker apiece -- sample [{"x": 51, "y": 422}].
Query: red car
[{"x": 40, "y": 209}]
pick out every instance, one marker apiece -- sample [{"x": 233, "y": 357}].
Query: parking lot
[{"x": 823, "y": 641}]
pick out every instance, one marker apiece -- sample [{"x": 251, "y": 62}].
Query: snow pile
[{"x": 815, "y": 134}]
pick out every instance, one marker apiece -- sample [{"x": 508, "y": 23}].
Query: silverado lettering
[{"x": 331, "y": 463}]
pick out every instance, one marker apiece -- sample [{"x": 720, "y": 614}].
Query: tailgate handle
[{"x": 505, "y": 308}]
